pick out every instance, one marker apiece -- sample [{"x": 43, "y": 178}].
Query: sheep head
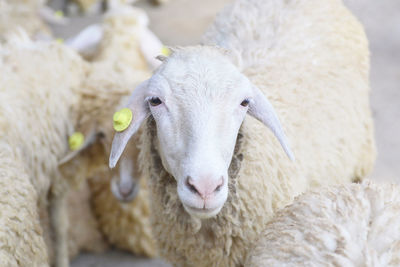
[
  {"x": 198, "y": 99},
  {"x": 92, "y": 122}
]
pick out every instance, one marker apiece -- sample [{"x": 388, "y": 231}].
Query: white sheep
[
  {"x": 24, "y": 14},
  {"x": 125, "y": 50},
  {"x": 216, "y": 176},
  {"x": 36, "y": 120},
  {"x": 124, "y": 57},
  {"x": 348, "y": 225},
  {"x": 37, "y": 116},
  {"x": 90, "y": 87},
  {"x": 121, "y": 58}
]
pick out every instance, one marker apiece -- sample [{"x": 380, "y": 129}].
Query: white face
[
  {"x": 198, "y": 115},
  {"x": 198, "y": 100}
]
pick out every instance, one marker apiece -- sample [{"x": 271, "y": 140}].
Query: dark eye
[
  {"x": 154, "y": 101},
  {"x": 245, "y": 103}
]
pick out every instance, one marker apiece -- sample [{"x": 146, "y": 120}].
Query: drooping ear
[
  {"x": 261, "y": 109},
  {"x": 87, "y": 41},
  {"x": 140, "y": 111},
  {"x": 87, "y": 139}
]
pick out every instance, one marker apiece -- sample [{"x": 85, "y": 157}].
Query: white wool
[
  {"x": 89, "y": 97},
  {"x": 348, "y": 225},
  {"x": 310, "y": 60}
]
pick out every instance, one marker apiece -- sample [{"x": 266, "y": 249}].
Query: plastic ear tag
[
  {"x": 76, "y": 140},
  {"x": 165, "y": 51},
  {"x": 122, "y": 119},
  {"x": 59, "y": 13}
]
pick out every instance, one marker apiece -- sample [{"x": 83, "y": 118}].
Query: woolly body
[
  {"x": 85, "y": 103},
  {"x": 348, "y": 225},
  {"x": 34, "y": 137},
  {"x": 310, "y": 58},
  {"x": 22, "y": 14},
  {"x": 117, "y": 66},
  {"x": 124, "y": 225},
  {"x": 119, "y": 57}
]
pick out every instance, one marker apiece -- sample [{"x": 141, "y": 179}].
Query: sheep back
[{"x": 348, "y": 225}]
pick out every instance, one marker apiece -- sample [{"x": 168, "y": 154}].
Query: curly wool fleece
[{"x": 311, "y": 59}]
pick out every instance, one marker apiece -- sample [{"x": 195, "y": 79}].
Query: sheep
[
  {"x": 347, "y": 225},
  {"x": 35, "y": 140},
  {"x": 89, "y": 87},
  {"x": 107, "y": 78},
  {"x": 123, "y": 225},
  {"x": 215, "y": 177},
  {"x": 23, "y": 14},
  {"x": 124, "y": 57},
  {"x": 40, "y": 148}
]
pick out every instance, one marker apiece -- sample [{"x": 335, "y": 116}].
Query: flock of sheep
[{"x": 193, "y": 179}]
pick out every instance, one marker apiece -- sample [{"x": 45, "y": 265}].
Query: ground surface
[{"x": 182, "y": 22}]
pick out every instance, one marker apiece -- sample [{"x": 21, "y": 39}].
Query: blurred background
[{"x": 182, "y": 22}]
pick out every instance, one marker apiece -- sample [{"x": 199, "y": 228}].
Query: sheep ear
[
  {"x": 261, "y": 109},
  {"x": 89, "y": 139},
  {"x": 140, "y": 112},
  {"x": 87, "y": 41}
]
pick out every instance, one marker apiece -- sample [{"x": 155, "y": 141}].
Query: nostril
[
  {"x": 219, "y": 186},
  {"x": 204, "y": 187},
  {"x": 191, "y": 187}
]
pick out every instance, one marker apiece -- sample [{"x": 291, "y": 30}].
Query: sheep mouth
[{"x": 202, "y": 213}]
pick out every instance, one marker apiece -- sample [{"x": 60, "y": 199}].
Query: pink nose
[{"x": 204, "y": 187}]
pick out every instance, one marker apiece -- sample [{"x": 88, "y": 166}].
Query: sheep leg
[{"x": 59, "y": 223}]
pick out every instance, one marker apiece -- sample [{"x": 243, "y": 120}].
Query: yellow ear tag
[
  {"x": 165, "y": 51},
  {"x": 122, "y": 119},
  {"x": 59, "y": 13},
  {"x": 60, "y": 40},
  {"x": 76, "y": 140}
]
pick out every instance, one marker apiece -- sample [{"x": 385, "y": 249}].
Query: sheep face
[
  {"x": 198, "y": 100},
  {"x": 198, "y": 105}
]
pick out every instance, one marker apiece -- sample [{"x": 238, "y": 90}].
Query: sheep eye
[
  {"x": 154, "y": 101},
  {"x": 245, "y": 103}
]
